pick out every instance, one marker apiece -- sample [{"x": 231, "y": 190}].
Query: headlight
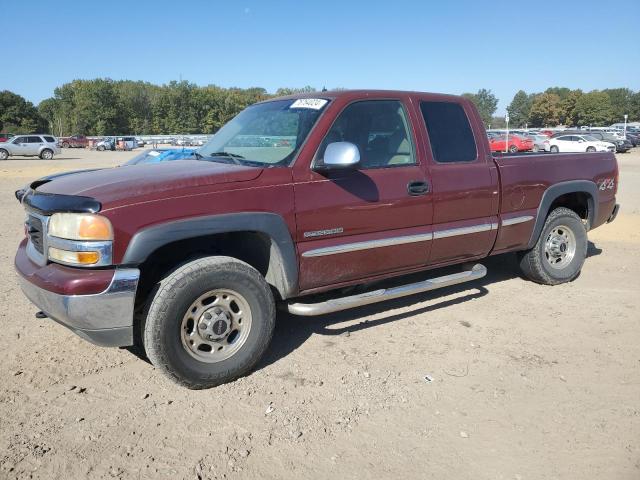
[
  {"x": 80, "y": 226},
  {"x": 80, "y": 239}
]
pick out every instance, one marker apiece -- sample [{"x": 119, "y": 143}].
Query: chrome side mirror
[{"x": 341, "y": 155}]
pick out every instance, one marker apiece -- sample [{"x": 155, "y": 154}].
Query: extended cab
[{"x": 293, "y": 197}]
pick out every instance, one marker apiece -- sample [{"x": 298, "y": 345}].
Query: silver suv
[{"x": 44, "y": 146}]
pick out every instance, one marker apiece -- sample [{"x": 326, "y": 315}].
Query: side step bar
[{"x": 344, "y": 303}]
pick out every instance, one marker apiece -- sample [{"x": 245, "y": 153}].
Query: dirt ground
[{"x": 528, "y": 381}]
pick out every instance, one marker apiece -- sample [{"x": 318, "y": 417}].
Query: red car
[
  {"x": 516, "y": 144},
  {"x": 188, "y": 258},
  {"x": 4, "y": 137}
]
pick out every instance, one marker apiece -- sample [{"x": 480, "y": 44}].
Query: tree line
[{"x": 107, "y": 107}]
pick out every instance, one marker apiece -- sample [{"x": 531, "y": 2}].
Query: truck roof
[{"x": 356, "y": 94}]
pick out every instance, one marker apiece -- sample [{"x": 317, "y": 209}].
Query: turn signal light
[{"x": 73, "y": 258}]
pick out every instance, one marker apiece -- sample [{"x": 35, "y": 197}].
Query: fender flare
[
  {"x": 283, "y": 262},
  {"x": 553, "y": 192}
]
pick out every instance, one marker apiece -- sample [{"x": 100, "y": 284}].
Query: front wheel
[
  {"x": 513, "y": 148},
  {"x": 560, "y": 251},
  {"x": 65, "y": 145},
  {"x": 209, "y": 322},
  {"x": 591, "y": 149},
  {"x": 554, "y": 149},
  {"x": 100, "y": 148},
  {"x": 46, "y": 154},
  {"x": 3, "y": 154}
]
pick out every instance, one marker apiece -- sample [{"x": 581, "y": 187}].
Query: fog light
[{"x": 73, "y": 258}]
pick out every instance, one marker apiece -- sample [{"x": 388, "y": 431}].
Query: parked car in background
[
  {"x": 74, "y": 141},
  {"x": 516, "y": 143},
  {"x": 43, "y": 146},
  {"x": 540, "y": 142},
  {"x": 633, "y": 138},
  {"x": 157, "y": 155},
  {"x": 621, "y": 146},
  {"x": 128, "y": 143},
  {"x": 140, "y": 142},
  {"x": 6, "y": 136},
  {"x": 578, "y": 143},
  {"x": 107, "y": 143}
]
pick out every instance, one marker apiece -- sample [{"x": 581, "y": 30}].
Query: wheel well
[
  {"x": 579, "y": 202},
  {"x": 254, "y": 248}
]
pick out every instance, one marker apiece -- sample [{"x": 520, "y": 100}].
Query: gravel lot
[{"x": 528, "y": 381}]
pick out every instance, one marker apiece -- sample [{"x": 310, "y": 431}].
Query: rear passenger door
[
  {"x": 464, "y": 181},
  {"x": 33, "y": 145}
]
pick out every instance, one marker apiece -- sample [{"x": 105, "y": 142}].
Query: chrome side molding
[
  {"x": 515, "y": 220},
  {"x": 344, "y": 303},
  {"x": 354, "y": 247},
  {"x": 453, "y": 232}
]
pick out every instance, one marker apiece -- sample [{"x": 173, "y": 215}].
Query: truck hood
[{"x": 119, "y": 186}]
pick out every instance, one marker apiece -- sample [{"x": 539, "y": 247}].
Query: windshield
[{"x": 265, "y": 134}]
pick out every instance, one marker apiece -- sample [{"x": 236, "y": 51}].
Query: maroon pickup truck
[
  {"x": 74, "y": 141},
  {"x": 293, "y": 197}
]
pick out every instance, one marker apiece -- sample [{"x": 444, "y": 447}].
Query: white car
[
  {"x": 43, "y": 146},
  {"x": 578, "y": 143}
]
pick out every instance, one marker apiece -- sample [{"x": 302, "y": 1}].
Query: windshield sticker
[{"x": 313, "y": 103}]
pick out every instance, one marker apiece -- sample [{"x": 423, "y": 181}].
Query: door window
[
  {"x": 20, "y": 140},
  {"x": 34, "y": 140},
  {"x": 450, "y": 133},
  {"x": 380, "y": 130}
]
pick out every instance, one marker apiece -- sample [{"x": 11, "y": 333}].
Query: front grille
[{"x": 35, "y": 231}]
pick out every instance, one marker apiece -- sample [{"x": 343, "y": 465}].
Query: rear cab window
[{"x": 449, "y": 130}]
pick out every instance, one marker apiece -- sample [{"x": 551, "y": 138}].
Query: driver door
[
  {"x": 371, "y": 219},
  {"x": 19, "y": 146}
]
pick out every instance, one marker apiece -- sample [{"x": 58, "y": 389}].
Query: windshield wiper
[{"x": 226, "y": 154}]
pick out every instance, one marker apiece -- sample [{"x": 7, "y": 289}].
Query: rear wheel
[
  {"x": 560, "y": 251},
  {"x": 46, "y": 154},
  {"x": 209, "y": 322},
  {"x": 3, "y": 154},
  {"x": 65, "y": 144},
  {"x": 100, "y": 148},
  {"x": 554, "y": 149},
  {"x": 513, "y": 148},
  {"x": 591, "y": 149}
]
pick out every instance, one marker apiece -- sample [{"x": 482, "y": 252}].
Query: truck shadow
[{"x": 292, "y": 331}]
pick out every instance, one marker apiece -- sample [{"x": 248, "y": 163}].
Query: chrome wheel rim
[
  {"x": 560, "y": 247},
  {"x": 216, "y": 325},
  {"x": 3, "y": 155},
  {"x": 47, "y": 155}
]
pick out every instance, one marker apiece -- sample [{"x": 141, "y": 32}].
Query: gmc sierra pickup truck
[{"x": 190, "y": 258}]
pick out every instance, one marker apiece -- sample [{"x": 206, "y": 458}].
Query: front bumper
[{"x": 104, "y": 318}]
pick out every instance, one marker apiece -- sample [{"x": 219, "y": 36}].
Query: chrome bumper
[{"x": 105, "y": 318}]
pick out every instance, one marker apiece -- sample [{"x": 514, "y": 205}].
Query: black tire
[
  {"x": 4, "y": 154},
  {"x": 554, "y": 149},
  {"x": 591, "y": 149},
  {"x": 100, "y": 148},
  {"x": 513, "y": 148},
  {"x": 169, "y": 307},
  {"x": 65, "y": 145},
  {"x": 537, "y": 263},
  {"x": 46, "y": 154}
]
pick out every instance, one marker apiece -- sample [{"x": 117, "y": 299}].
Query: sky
[{"x": 444, "y": 46}]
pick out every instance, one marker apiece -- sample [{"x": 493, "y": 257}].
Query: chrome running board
[{"x": 344, "y": 303}]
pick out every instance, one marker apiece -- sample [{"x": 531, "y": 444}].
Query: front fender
[{"x": 283, "y": 263}]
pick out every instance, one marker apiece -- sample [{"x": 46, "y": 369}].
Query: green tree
[
  {"x": 545, "y": 110},
  {"x": 519, "y": 109},
  {"x": 621, "y": 103},
  {"x": 568, "y": 107},
  {"x": 486, "y": 103},
  {"x": 594, "y": 108},
  {"x": 18, "y": 115}
]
